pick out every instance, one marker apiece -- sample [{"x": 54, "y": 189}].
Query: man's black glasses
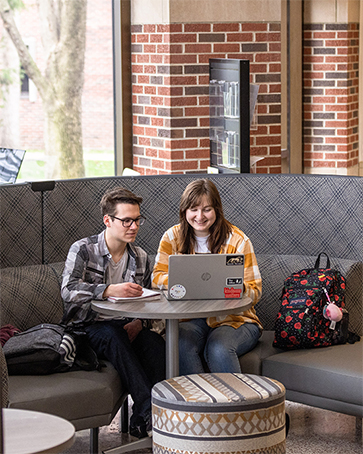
[{"x": 128, "y": 222}]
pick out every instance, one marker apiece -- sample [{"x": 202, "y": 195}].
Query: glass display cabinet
[{"x": 229, "y": 96}]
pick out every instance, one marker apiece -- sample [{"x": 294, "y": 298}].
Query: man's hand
[
  {"x": 124, "y": 290},
  {"x": 133, "y": 328}
]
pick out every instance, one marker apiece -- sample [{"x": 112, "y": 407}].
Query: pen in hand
[{"x": 134, "y": 281}]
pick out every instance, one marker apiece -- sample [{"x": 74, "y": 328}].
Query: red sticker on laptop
[{"x": 232, "y": 292}]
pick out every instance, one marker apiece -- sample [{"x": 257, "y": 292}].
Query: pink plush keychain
[{"x": 331, "y": 311}]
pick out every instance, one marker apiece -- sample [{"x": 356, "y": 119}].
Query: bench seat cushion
[
  {"x": 333, "y": 373},
  {"x": 251, "y": 362},
  {"x": 79, "y": 396}
]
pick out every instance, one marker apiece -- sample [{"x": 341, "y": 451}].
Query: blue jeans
[
  {"x": 140, "y": 364},
  {"x": 220, "y": 347}
]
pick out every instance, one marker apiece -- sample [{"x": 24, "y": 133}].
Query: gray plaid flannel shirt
[{"x": 85, "y": 273}]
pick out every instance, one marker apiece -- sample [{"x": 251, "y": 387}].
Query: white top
[
  {"x": 201, "y": 245},
  {"x": 115, "y": 270},
  {"x": 114, "y": 276}
]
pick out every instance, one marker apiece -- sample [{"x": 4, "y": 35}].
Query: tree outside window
[{"x": 66, "y": 122}]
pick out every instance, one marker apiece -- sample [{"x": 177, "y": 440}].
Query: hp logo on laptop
[{"x": 206, "y": 276}]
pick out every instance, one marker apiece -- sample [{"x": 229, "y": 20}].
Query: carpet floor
[{"x": 312, "y": 431}]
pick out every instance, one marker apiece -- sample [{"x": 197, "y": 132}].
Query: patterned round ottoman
[{"x": 218, "y": 413}]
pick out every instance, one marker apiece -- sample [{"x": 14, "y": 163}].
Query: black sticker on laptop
[
  {"x": 234, "y": 281},
  {"x": 235, "y": 260}
]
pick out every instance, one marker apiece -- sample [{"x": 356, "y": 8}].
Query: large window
[{"x": 45, "y": 123}]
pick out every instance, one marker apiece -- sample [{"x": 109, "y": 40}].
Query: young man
[{"x": 109, "y": 264}]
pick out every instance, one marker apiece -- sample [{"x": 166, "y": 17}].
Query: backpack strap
[{"x": 317, "y": 263}]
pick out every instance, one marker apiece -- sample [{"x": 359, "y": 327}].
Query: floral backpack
[{"x": 303, "y": 320}]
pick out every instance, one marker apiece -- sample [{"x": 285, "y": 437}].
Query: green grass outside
[{"x": 98, "y": 163}]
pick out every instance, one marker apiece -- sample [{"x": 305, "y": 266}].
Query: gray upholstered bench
[
  {"x": 329, "y": 378},
  {"x": 324, "y": 377},
  {"x": 88, "y": 399},
  {"x": 290, "y": 219}
]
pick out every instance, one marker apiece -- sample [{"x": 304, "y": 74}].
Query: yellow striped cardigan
[{"x": 237, "y": 242}]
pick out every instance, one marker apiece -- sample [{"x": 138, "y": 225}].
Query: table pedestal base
[{"x": 172, "y": 347}]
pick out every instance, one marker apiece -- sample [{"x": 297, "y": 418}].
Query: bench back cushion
[
  {"x": 31, "y": 295},
  {"x": 282, "y": 214}
]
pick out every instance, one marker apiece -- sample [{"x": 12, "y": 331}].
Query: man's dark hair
[{"x": 113, "y": 197}]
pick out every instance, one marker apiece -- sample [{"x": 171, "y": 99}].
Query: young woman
[{"x": 219, "y": 341}]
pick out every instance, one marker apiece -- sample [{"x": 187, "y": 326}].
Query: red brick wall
[
  {"x": 170, "y": 91},
  {"x": 170, "y": 67},
  {"x": 331, "y": 56}
]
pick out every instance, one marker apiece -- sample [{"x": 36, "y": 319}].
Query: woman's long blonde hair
[{"x": 218, "y": 232}]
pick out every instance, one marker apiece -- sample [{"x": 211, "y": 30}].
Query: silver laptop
[{"x": 205, "y": 276}]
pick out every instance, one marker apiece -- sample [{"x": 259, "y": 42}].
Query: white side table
[
  {"x": 33, "y": 432},
  {"x": 172, "y": 312}
]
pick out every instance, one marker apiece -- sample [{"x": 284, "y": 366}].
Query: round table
[
  {"x": 31, "y": 432},
  {"x": 172, "y": 312}
]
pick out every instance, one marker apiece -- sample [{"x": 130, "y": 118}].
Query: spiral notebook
[{"x": 147, "y": 295}]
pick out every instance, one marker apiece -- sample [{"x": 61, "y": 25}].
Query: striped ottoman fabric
[{"x": 218, "y": 413}]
